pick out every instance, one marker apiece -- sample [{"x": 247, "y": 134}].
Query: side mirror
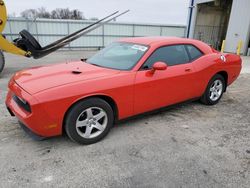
[{"x": 159, "y": 66}]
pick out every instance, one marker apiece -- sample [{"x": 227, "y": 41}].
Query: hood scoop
[
  {"x": 52, "y": 76},
  {"x": 77, "y": 71}
]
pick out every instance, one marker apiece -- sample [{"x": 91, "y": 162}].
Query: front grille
[{"x": 23, "y": 105}]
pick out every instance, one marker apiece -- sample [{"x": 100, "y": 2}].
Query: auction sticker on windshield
[{"x": 139, "y": 47}]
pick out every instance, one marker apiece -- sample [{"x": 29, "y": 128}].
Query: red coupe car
[{"x": 129, "y": 77}]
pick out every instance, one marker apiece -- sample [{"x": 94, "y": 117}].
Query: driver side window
[{"x": 171, "y": 55}]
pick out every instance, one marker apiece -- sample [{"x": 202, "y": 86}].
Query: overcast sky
[{"x": 146, "y": 11}]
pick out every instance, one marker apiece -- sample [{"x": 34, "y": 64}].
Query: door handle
[{"x": 188, "y": 70}]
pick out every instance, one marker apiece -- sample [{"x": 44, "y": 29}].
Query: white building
[{"x": 212, "y": 21}]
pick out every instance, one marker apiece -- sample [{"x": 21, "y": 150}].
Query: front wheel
[
  {"x": 2, "y": 61},
  {"x": 89, "y": 121},
  {"x": 214, "y": 91}
]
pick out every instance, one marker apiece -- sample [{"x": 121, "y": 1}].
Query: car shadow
[
  {"x": 173, "y": 109},
  {"x": 65, "y": 142}
]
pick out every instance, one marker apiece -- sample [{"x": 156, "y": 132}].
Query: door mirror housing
[{"x": 159, "y": 66}]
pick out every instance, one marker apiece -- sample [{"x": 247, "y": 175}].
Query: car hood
[{"x": 38, "y": 79}]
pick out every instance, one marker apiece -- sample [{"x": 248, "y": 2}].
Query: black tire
[
  {"x": 78, "y": 110},
  {"x": 206, "y": 99},
  {"x": 2, "y": 61}
]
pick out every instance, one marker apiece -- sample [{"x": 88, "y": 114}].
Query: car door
[
  {"x": 201, "y": 67},
  {"x": 164, "y": 87}
]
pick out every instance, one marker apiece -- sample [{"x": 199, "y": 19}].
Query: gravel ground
[{"x": 190, "y": 145}]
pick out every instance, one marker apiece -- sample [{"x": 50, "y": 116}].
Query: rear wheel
[
  {"x": 2, "y": 61},
  {"x": 89, "y": 121},
  {"x": 214, "y": 91}
]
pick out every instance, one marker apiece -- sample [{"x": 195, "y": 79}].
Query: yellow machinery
[{"x": 26, "y": 45}]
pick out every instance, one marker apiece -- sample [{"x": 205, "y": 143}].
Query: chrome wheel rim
[
  {"x": 91, "y": 122},
  {"x": 216, "y": 90}
]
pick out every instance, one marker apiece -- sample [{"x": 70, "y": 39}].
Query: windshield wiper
[
  {"x": 96, "y": 64},
  {"x": 85, "y": 61}
]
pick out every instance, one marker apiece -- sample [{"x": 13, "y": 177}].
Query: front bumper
[
  {"x": 26, "y": 129},
  {"x": 30, "y": 133},
  {"x": 36, "y": 122}
]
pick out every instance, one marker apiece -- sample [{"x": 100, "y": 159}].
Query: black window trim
[{"x": 185, "y": 47}]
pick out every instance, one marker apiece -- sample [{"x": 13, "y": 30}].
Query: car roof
[{"x": 149, "y": 41}]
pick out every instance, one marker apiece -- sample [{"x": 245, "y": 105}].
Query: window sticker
[{"x": 139, "y": 47}]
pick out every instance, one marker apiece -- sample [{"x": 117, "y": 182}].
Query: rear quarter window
[{"x": 193, "y": 52}]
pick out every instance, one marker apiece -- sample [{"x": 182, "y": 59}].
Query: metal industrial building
[{"x": 212, "y": 21}]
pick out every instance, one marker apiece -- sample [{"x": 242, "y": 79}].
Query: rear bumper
[{"x": 234, "y": 66}]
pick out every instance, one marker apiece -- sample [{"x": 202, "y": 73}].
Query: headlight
[{"x": 22, "y": 103}]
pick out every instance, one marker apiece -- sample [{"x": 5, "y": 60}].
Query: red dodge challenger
[{"x": 128, "y": 77}]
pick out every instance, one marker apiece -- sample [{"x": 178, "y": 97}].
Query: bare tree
[
  {"x": 43, "y": 13},
  {"x": 30, "y": 14},
  {"x": 77, "y": 15},
  {"x": 59, "y": 13},
  {"x": 63, "y": 13}
]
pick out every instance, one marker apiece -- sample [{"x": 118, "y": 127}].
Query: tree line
[{"x": 58, "y": 13}]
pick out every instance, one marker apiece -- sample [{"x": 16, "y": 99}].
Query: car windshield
[{"x": 119, "y": 55}]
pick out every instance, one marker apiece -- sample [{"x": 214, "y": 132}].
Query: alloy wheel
[
  {"x": 216, "y": 90},
  {"x": 91, "y": 122}
]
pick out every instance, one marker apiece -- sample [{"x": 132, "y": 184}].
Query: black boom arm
[{"x": 28, "y": 43}]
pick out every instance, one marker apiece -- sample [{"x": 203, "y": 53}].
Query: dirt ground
[{"x": 190, "y": 145}]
